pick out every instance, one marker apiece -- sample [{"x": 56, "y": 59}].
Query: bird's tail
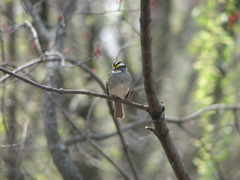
[{"x": 118, "y": 110}]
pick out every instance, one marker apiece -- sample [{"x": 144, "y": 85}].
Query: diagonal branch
[
  {"x": 43, "y": 31},
  {"x": 72, "y": 91},
  {"x": 91, "y": 141}
]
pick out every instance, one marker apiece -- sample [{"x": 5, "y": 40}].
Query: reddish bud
[
  {"x": 85, "y": 35},
  {"x": 60, "y": 17},
  {"x": 233, "y": 18},
  {"x": 94, "y": 70},
  {"x": 68, "y": 50},
  {"x": 97, "y": 51},
  {"x": 4, "y": 25},
  {"x": 153, "y": 4},
  {"x": 34, "y": 46}
]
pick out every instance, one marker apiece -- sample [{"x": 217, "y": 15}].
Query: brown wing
[
  {"x": 107, "y": 88},
  {"x": 107, "y": 91},
  {"x": 128, "y": 93}
]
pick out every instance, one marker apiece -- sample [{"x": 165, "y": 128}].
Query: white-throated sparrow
[{"x": 119, "y": 84}]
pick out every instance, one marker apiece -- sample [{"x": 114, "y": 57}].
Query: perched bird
[{"x": 119, "y": 84}]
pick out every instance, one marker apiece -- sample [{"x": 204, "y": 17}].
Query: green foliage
[{"x": 213, "y": 47}]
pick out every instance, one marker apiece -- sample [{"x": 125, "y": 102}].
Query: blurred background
[{"x": 196, "y": 55}]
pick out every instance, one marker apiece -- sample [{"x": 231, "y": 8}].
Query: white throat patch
[{"x": 116, "y": 71}]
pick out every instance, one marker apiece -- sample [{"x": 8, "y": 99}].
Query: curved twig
[{"x": 199, "y": 112}]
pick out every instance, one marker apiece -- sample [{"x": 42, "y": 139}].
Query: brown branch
[
  {"x": 69, "y": 91},
  {"x": 81, "y": 64},
  {"x": 178, "y": 121},
  {"x": 156, "y": 109},
  {"x": 89, "y": 140},
  {"x": 29, "y": 8},
  {"x": 72, "y": 91},
  {"x": 98, "y": 137}
]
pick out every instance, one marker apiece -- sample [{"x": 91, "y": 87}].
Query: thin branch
[
  {"x": 35, "y": 36},
  {"x": 5, "y": 146},
  {"x": 88, "y": 70},
  {"x": 69, "y": 91},
  {"x": 126, "y": 150},
  {"x": 24, "y": 66},
  {"x": 72, "y": 91},
  {"x": 49, "y": 57},
  {"x": 43, "y": 31},
  {"x": 89, "y": 140},
  {"x": 99, "y": 137},
  {"x": 198, "y": 113},
  {"x": 179, "y": 120},
  {"x": 106, "y": 12}
]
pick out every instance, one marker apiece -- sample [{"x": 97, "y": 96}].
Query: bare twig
[
  {"x": 90, "y": 140},
  {"x": 35, "y": 36},
  {"x": 48, "y": 58},
  {"x": 106, "y": 12},
  {"x": 179, "y": 120},
  {"x": 99, "y": 137},
  {"x": 5, "y": 146},
  {"x": 29, "y": 8},
  {"x": 72, "y": 91},
  {"x": 198, "y": 113},
  {"x": 126, "y": 150}
]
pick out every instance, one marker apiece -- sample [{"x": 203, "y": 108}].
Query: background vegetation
[{"x": 72, "y": 44}]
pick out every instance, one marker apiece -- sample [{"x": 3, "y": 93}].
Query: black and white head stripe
[{"x": 118, "y": 64}]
